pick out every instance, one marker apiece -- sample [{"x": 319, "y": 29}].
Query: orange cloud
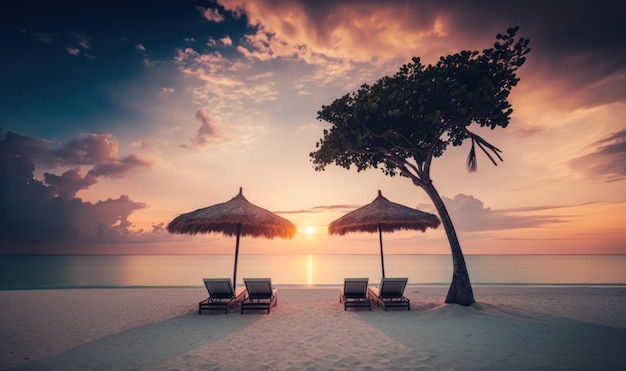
[
  {"x": 362, "y": 31},
  {"x": 212, "y": 15}
]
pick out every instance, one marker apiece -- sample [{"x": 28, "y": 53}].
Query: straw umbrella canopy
[
  {"x": 236, "y": 217},
  {"x": 383, "y": 215}
]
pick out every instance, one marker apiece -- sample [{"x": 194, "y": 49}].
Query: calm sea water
[{"x": 89, "y": 271}]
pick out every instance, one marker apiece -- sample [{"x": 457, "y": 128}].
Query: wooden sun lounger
[
  {"x": 259, "y": 295},
  {"x": 221, "y": 295},
  {"x": 390, "y": 293},
  {"x": 354, "y": 293}
]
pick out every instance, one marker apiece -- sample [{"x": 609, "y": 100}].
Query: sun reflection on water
[{"x": 310, "y": 270}]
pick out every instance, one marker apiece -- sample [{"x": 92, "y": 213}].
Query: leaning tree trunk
[{"x": 460, "y": 291}]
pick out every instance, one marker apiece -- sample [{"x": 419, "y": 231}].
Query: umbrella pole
[
  {"x": 236, "y": 256},
  {"x": 382, "y": 259}
]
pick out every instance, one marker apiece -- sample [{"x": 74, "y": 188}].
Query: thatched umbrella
[
  {"x": 383, "y": 215},
  {"x": 236, "y": 217}
]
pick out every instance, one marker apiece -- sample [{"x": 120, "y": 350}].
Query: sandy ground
[{"x": 512, "y": 328}]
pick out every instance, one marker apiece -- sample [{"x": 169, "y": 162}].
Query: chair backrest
[
  {"x": 219, "y": 288},
  {"x": 355, "y": 287},
  {"x": 259, "y": 288},
  {"x": 392, "y": 287}
]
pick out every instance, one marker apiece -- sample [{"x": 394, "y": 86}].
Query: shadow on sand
[
  {"x": 146, "y": 346},
  {"x": 488, "y": 336}
]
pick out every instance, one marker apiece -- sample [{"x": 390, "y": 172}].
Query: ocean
[{"x": 164, "y": 271}]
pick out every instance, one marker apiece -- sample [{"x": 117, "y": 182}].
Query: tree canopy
[{"x": 421, "y": 110}]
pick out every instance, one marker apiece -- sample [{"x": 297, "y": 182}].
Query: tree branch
[
  {"x": 402, "y": 163},
  {"x": 484, "y": 145},
  {"x": 431, "y": 149}
]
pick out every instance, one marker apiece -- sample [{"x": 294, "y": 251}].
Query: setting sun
[{"x": 309, "y": 230}]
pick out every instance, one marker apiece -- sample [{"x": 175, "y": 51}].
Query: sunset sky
[{"x": 135, "y": 112}]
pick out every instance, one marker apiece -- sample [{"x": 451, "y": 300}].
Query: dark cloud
[
  {"x": 119, "y": 167},
  {"x": 470, "y": 215},
  {"x": 48, "y": 211},
  {"x": 36, "y": 148},
  {"x": 69, "y": 183},
  {"x": 100, "y": 151},
  {"x": 607, "y": 161},
  {"x": 97, "y": 150},
  {"x": 88, "y": 149},
  {"x": 578, "y": 46}
]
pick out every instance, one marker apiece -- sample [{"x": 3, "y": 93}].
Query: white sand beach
[{"x": 510, "y": 328}]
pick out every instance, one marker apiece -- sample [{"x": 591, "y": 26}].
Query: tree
[{"x": 401, "y": 122}]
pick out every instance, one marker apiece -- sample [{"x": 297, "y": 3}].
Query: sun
[{"x": 309, "y": 230}]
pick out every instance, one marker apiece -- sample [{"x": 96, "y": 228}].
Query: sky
[{"x": 116, "y": 117}]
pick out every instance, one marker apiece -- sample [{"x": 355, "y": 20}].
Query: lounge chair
[
  {"x": 221, "y": 295},
  {"x": 354, "y": 293},
  {"x": 259, "y": 295},
  {"x": 390, "y": 293}
]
